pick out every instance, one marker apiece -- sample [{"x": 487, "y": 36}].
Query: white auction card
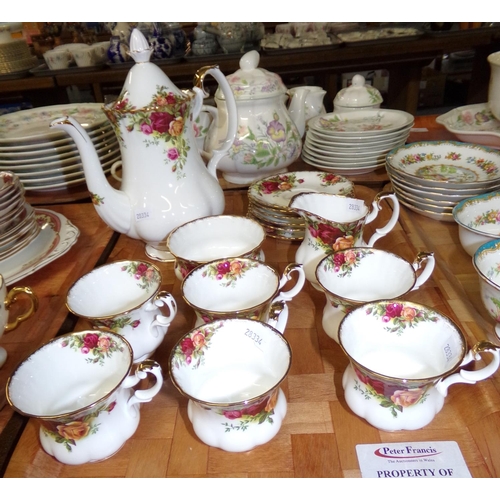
[{"x": 436, "y": 459}]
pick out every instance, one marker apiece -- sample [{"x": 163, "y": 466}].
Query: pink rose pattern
[
  {"x": 145, "y": 274},
  {"x": 162, "y": 121},
  {"x": 191, "y": 349},
  {"x": 97, "y": 345},
  {"x": 392, "y": 396}
]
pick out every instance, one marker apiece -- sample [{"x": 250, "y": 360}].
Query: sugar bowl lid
[
  {"x": 252, "y": 82},
  {"x": 358, "y": 95}
]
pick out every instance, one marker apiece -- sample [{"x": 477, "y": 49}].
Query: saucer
[{"x": 57, "y": 235}]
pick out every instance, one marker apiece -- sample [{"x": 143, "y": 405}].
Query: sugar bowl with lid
[{"x": 356, "y": 97}]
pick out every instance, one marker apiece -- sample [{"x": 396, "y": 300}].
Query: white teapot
[{"x": 267, "y": 140}]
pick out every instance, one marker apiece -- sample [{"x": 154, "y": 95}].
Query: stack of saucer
[
  {"x": 431, "y": 177},
  {"x": 18, "y": 225},
  {"x": 269, "y": 198},
  {"x": 46, "y": 159},
  {"x": 354, "y": 142}
]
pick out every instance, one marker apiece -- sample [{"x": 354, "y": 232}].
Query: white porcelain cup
[
  {"x": 87, "y": 56},
  {"x": 231, "y": 370},
  {"x": 214, "y": 237},
  {"x": 358, "y": 275},
  {"x": 238, "y": 288},
  {"x": 79, "y": 387},
  {"x": 403, "y": 358},
  {"x": 494, "y": 84},
  {"x": 57, "y": 59},
  {"x": 7, "y": 299},
  {"x": 125, "y": 297}
]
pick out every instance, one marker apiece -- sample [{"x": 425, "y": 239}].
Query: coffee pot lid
[
  {"x": 145, "y": 79},
  {"x": 358, "y": 95},
  {"x": 252, "y": 82}
]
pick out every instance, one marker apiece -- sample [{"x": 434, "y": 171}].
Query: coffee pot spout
[{"x": 113, "y": 206}]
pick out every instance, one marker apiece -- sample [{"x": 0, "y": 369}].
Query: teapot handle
[{"x": 232, "y": 122}]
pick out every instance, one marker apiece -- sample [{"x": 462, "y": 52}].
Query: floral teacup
[
  {"x": 358, "y": 275},
  {"x": 79, "y": 387},
  {"x": 214, "y": 237},
  {"x": 125, "y": 297},
  {"x": 231, "y": 371},
  {"x": 238, "y": 288},
  {"x": 403, "y": 358}
]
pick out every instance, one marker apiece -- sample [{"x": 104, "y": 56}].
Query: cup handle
[
  {"x": 375, "y": 210},
  {"x": 278, "y": 315},
  {"x": 12, "y": 297},
  {"x": 163, "y": 298},
  {"x": 291, "y": 268},
  {"x": 427, "y": 260},
  {"x": 143, "y": 395},
  {"x": 471, "y": 377}
]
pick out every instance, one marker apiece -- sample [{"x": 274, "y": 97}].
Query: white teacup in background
[
  {"x": 238, "y": 288},
  {"x": 79, "y": 388},
  {"x": 403, "y": 358},
  {"x": 58, "y": 59},
  {"x": 231, "y": 371},
  {"x": 125, "y": 297},
  {"x": 214, "y": 237},
  {"x": 358, "y": 275},
  {"x": 6, "y": 301}
]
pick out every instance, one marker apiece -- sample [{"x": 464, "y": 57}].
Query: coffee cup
[
  {"x": 238, "y": 288},
  {"x": 231, "y": 371},
  {"x": 79, "y": 387},
  {"x": 7, "y": 299},
  {"x": 403, "y": 357},
  {"x": 125, "y": 297},
  {"x": 57, "y": 59},
  {"x": 358, "y": 275},
  {"x": 214, "y": 237}
]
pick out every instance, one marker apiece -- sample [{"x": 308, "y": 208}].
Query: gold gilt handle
[{"x": 12, "y": 298}]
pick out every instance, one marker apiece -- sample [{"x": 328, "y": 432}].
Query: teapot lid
[
  {"x": 145, "y": 79},
  {"x": 252, "y": 82},
  {"x": 358, "y": 95}
]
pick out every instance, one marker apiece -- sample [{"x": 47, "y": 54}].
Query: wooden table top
[{"x": 319, "y": 433}]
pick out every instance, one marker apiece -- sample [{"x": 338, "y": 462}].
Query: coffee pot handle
[
  {"x": 147, "y": 366},
  {"x": 428, "y": 262},
  {"x": 471, "y": 377},
  {"x": 163, "y": 298},
  {"x": 376, "y": 209},
  {"x": 232, "y": 120}
]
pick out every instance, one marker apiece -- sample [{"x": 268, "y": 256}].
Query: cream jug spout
[
  {"x": 297, "y": 107},
  {"x": 112, "y": 205}
]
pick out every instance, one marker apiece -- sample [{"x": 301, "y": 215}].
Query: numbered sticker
[
  {"x": 448, "y": 351},
  {"x": 143, "y": 214},
  {"x": 253, "y": 336},
  {"x": 356, "y": 206}
]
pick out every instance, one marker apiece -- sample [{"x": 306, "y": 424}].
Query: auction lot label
[{"x": 436, "y": 459}]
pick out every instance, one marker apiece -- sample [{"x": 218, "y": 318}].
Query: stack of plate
[
  {"x": 269, "y": 198},
  {"x": 355, "y": 142},
  {"x": 45, "y": 159},
  {"x": 18, "y": 226},
  {"x": 430, "y": 178}
]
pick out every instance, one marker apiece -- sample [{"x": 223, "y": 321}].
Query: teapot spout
[
  {"x": 112, "y": 205},
  {"x": 297, "y": 107}
]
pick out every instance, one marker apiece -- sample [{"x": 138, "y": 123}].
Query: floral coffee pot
[
  {"x": 165, "y": 182},
  {"x": 267, "y": 140}
]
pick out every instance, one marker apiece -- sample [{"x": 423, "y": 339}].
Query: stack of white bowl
[
  {"x": 354, "y": 142},
  {"x": 45, "y": 159},
  {"x": 18, "y": 225},
  {"x": 269, "y": 198},
  {"x": 431, "y": 177}
]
